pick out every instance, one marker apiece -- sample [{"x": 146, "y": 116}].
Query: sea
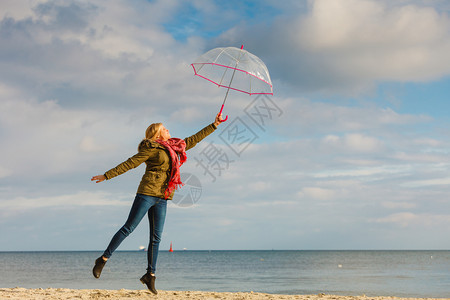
[{"x": 352, "y": 273}]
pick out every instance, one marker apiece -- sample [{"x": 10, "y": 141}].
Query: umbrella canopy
[
  {"x": 235, "y": 69},
  {"x": 220, "y": 64}
]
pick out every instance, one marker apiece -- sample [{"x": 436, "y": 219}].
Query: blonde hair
[
  {"x": 151, "y": 134},
  {"x": 153, "y": 131}
]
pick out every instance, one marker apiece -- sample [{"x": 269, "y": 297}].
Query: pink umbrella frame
[{"x": 228, "y": 87}]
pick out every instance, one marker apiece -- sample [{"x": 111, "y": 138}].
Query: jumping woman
[{"x": 163, "y": 156}]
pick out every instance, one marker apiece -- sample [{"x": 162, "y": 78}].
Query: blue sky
[{"x": 354, "y": 156}]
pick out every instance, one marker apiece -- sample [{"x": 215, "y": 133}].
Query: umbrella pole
[
  {"x": 229, "y": 85},
  {"x": 228, "y": 90},
  {"x": 226, "y": 95}
]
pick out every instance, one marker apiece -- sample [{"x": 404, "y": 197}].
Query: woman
[{"x": 163, "y": 156}]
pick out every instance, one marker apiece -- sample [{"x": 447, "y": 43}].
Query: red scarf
[{"x": 177, "y": 150}]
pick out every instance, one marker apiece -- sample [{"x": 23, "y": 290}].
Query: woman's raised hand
[
  {"x": 98, "y": 178},
  {"x": 218, "y": 120}
]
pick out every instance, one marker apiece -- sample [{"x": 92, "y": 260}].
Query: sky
[{"x": 350, "y": 152}]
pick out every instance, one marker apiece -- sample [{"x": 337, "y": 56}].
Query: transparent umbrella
[{"x": 235, "y": 69}]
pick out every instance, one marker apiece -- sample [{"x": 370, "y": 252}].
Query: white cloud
[
  {"x": 103, "y": 56},
  {"x": 311, "y": 117},
  {"x": 88, "y": 144},
  {"x": 187, "y": 114},
  {"x": 46, "y": 139},
  {"x": 419, "y": 156},
  {"x": 359, "y": 171},
  {"x": 18, "y": 9},
  {"x": 407, "y": 219},
  {"x": 349, "y": 45},
  {"x": 429, "y": 142},
  {"x": 121, "y": 29},
  {"x": 366, "y": 38},
  {"x": 4, "y": 172},
  {"x": 82, "y": 198},
  {"x": 354, "y": 142},
  {"x": 398, "y": 205},
  {"x": 444, "y": 181},
  {"x": 316, "y": 193},
  {"x": 402, "y": 219},
  {"x": 363, "y": 143}
]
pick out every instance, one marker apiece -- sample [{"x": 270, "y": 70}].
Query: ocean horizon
[{"x": 401, "y": 273}]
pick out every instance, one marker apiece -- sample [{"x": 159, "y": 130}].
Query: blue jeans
[{"x": 156, "y": 208}]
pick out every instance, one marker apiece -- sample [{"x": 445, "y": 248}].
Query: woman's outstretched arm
[
  {"x": 127, "y": 165},
  {"x": 196, "y": 138}
]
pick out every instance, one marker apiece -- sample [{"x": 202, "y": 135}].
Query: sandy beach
[{"x": 50, "y": 293}]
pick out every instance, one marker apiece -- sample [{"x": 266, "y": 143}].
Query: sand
[{"x": 44, "y": 294}]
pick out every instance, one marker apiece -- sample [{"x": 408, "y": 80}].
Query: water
[{"x": 373, "y": 273}]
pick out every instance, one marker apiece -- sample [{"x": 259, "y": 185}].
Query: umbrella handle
[{"x": 226, "y": 118}]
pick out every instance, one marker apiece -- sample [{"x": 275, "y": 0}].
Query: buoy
[{"x": 170, "y": 250}]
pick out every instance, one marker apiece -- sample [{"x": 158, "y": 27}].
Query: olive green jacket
[{"x": 157, "y": 158}]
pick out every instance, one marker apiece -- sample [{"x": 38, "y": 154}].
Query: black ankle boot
[
  {"x": 99, "y": 264},
  {"x": 149, "y": 280}
]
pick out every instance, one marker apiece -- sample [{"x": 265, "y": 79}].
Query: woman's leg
[
  {"x": 156, "y": 218},
  {"x": 140, "y": 207}
]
